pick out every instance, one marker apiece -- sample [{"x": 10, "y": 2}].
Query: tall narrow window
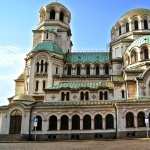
[
  {"x": 62, "y": 96},
  {"x": 133, "y": 57},
  {"x": 136, "y": 25},
  {"x": 78, "y": 70},
  {"x": 97, "y": 70},
  {"x": 106, "y": 69},
  {"x": 127, "y": 27},
  {"x": 145, "y": 24},
  {"x": 82, "y": 96},
  {"x": 87, "y": 96},
  {"x": 42, "y": 65},
  {"x": 37, "y": 85},
  {"x": 100, "y": 95},
  {"x": 46, "y": 66},
  {"x": 44, "y": 84},
  {"x": 123, "y": 93},
  {"x": 67, "y": 96},
  {"x": 69, "y": 70},
  {"x": 37, "y": 67},
  {"x": 61, "y": 16},
  {"x": 46, "y": 35},
  {"x": 106, "y": 95},
  {"x": 88, "y": 70},
  {"x": 52, "y": 14},
  {"x": 56, "y": 70},
  {"x": 119, "y": 30}
]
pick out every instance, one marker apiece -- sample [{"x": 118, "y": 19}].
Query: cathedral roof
[
  {"x": 88, "y": 57},
  {"x": 81, "y": 85},
  {"x": 140, "y": 41},
  {"x": 48, "y": 46},
  {"x": 133, "y": 12}
]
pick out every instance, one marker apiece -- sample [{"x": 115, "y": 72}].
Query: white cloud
[{"x": 11, "y": 65}]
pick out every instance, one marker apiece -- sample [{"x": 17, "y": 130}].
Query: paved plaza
[{"x": 139, "y": 144}]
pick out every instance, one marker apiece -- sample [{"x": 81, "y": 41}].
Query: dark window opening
[
  {"x": 44, "y": 84},
  {"x": 69, "y": 70},
  {"x": 141, "y": 119},
  {"x": 98, "y": 122},
  {"x": 62, "y": 96},
  {"x": 88, "y": 70},
  {"x": 62, "y": 16},
  {"x": 39, "y": 123},
  {"x": 37, "y": 67},
  {"x": 82, "y": 96},
  {"x": 53, "y": 123},
  {"x": 106, "y": 68},
  {"x": 127, "y": 27},
  {"x": 87, "y": 96},
  {"x": 75, "y": 122},
  {"x": 52, "y": 14},
  {"x": 97, "y": 70},
  {"x": 119, "y": 30},
  {"x": 78, "y": 70},
  {"x": 123, "y": 93},
  {"x": 87, "y": 122},
  {"x": 106, "y": 95},
  {"x": 129, "y": 120},
  {"x": 109, "y": 122},
  {"x": 67, "y": 96},
  {"x": 145, "y": 24},
  {"x": 37, "y": 86},
  {"x": 100, "y": 95},
  {"x": 46, "y": 35},
  {"x": 42, "y": 65},
  {"x": 136, "y": 25},
  {"x": 64, "y": 123},
  {"x": 56, "y": 70},
  {"x": 46, "y": 67}
]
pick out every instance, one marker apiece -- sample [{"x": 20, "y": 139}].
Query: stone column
[
  {"x": 57, "y": 15},
  {"x": 81, "y": 124},
  {"x": 135, "y": 121},
  {"x": 92, "y": 124},
  {"x": 103, "y": 124},
  {"x": 70, "y": 124},
  {"x": 58, "y": 124},
  {"x": 148, "y": 20},
  {"x": 130, "y": 24},
  {"x": 140, "y": 22}
]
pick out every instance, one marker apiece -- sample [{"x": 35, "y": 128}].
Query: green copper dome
[
  {"x": 140, "y": 41},
  {"x": 50, "y": 47}
]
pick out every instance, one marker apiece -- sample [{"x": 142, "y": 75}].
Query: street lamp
[
  {"x": 35, "y": 126},
  {"x": 147, "y": 123}
]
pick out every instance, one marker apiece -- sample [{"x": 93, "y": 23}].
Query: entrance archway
[{"x": 15, "y": 122}]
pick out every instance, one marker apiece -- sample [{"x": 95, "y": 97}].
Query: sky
[{"x": 91, "y": 24}]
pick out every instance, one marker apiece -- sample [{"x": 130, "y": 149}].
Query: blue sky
[{"x": 91, "y": 24}]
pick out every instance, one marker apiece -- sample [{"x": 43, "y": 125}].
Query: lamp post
[
  {"x": 147, "y": 124},
  {"x": 35, "y": 126}
]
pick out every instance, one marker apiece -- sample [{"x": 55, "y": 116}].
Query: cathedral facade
[{"x": 82, "y": 95}]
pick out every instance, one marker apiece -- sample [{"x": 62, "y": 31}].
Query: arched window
[
  {"x": 98, "y": 122},
  {"x": 44, "y": 84},
  {"x": 123, "y": 93},
  {"x": 37, "y": 85},
  {"x": 105, "y": 95},
  {"x": 119, "y": 30},
  {"x": 87, "y": 96},
  {"x": 53, "y": 123},
  {"x": 97, "y": 70},
  {"x": 39, "y": 123},
  {"x": 42, "y": 65},
  {"x": 133, "y": 57},
  {"x": 87, "y": 122},
  {"x": 100, "y": 95},
  {"x": 52, "y": 14},
  {"x": 15, "y": 122},
  {"x": 46, "y": 67},
  {"x": 68, "y": 96},
  {"x": 136, "y": 25},
  {"x": 64, "y": 123},
  {"x": 127, "y": 27},
  {"x": 82, "y": 96},
  {"x": 106, "y": 68},
  {"x": 46, "y": 35},
  {"x": 62, "y": 96},
  {"x": 109, "y": 121},
  {"x": 78, "y": 70},
  {"x": 75, "y": 122},
  {"x": 37, "y": 67},
  {"x": 69, "y": 70},
  {"x": 145, "y": 24},
  {"x": 61, "y": 16},
  {"x": 129, "y": 120},
  {"x": 141, "y": 119},
  {"x": 88, "y": 70},
  {"x": 144, "y": 53}
]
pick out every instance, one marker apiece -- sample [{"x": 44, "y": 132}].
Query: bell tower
[{"x": 54, "y": 26}]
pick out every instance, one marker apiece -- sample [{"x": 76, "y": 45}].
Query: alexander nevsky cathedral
[{"x": 64, "y": 95}]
